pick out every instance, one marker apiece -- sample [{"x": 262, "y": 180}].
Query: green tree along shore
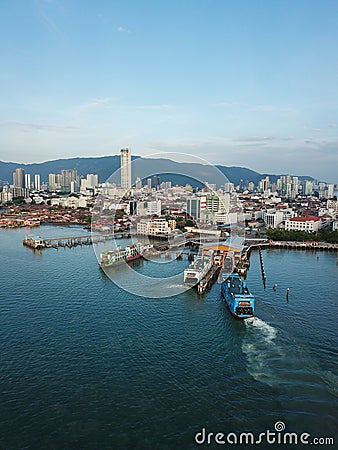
[{"x": 322, "y": 236}]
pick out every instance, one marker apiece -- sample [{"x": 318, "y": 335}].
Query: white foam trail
[
  {"x": 268, "y": 331},
  {"x": 261, "y": 350}
]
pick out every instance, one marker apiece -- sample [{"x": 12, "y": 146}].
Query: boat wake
[{"x": 263, "y": 353}]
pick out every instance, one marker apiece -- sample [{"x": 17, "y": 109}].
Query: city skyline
[{"x": 240, "y": 83}]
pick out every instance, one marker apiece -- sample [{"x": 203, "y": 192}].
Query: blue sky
[{"x": 252, "y": 83}]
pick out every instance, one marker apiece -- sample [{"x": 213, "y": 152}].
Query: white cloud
[
  {"x": 274, "y": 109},
  {"x": 228, "y": 104},
  {"x": 154, "y": 107},
  {"x": 31, "y": 126},
  {"x": 123, "y": 30},
  {"x": 95, "y": 103}
]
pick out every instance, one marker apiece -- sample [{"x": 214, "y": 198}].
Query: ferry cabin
[{"x": 237, "y": 296}]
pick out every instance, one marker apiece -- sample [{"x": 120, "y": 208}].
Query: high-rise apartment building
[
  {"x": 195, "y": 206},
  {"x": 67, "y": 177},
  {"x": 308, "y": 187},
  {"x": 125, "y": 168},
  {"x": 37, "y": 182},
  {"x": 54, "y": 181},
  {"x": 19, "y": 178},
  {"x": 28, "y": 180},
  {"x": 330, "y": 190},
  {"x": 138, "y": 183}
]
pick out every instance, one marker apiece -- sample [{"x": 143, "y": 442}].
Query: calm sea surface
[{"x": 86, "y": 365}]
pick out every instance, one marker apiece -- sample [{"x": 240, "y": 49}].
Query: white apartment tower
[
  {"x": 27, "y": 180},
  {"x": 125, "y": 168},
  {"x": 37, "y": 182}
]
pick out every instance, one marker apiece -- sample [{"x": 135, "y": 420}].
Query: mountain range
[{"x": 107, "y": 167}]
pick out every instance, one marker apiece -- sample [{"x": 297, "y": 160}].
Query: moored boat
[
  {"x": 198, "y": 269},
  {"x": 236, "y": 294},
  {"x": 109, "y": 258}
]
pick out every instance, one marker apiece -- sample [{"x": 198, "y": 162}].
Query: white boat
[{"x": 197, "y": 270}]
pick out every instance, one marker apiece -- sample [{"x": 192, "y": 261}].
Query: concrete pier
[
  {"x": 204, "y": 284},
  {"x": 70, "y": 241}
]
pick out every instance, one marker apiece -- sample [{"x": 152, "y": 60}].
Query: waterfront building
[
  {"x": 19, "y": 178},
  {"x": 125, "y": 158},
  {"x": 155, "y": 227},
  {"x": 149, "y": 183},
  {"x": 37, "y": 182},
  {"x": 308, "y": 224},
  {"x": 142, "y": 227}
]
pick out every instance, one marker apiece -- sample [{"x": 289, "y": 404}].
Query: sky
[{"x": 251, "y": 83}]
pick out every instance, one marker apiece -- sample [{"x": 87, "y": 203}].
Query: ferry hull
[
  {"x": 240, "y": 302},
  {"x": 104, "y": 265}
]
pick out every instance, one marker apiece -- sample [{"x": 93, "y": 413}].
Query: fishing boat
[
  {"x": 237, "y": 296},
  {"x": 109, "y": 258}
]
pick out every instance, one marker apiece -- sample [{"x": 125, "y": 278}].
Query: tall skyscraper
[
  {"x": 19, "y": 178},
  {"x": 125, "y": 168},
  {"x": 37, "y": 182}
]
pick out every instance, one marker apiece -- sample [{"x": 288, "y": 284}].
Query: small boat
[{"x": 237, "y": 296}]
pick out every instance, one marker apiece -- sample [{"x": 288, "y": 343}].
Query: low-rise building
[
  {"x": 274, "y": 217},
  {"x": 154, "y": 227},
  {"x": 310, "y": 224}
]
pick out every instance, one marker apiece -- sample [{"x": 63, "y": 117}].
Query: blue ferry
[{"x": 237, "y": 296}]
